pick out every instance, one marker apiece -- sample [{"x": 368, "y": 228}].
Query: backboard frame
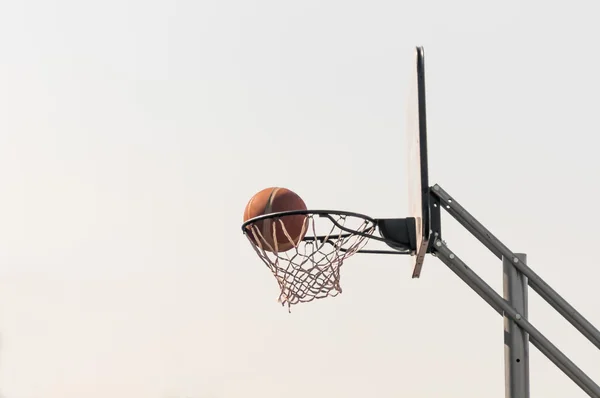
[{"x": 418, "y": 168}]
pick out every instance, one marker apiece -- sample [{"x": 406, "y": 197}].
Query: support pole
[{"x": 516, "y": 340}]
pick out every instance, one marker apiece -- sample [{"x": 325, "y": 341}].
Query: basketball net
[{"x": 311, "y": 269}]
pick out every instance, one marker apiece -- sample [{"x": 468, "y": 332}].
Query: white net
[{"x": 311, "y": 268}]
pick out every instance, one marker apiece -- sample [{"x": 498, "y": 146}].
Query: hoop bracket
[{"x": 398, "y": 233}]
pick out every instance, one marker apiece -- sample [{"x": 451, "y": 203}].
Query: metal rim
[{"x": 321, "y": 213}]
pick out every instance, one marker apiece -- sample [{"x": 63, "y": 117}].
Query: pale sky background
[{"x": 132, "y": 134}]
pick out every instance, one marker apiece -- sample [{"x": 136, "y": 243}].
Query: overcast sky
[{"x": 132, "y": 134}]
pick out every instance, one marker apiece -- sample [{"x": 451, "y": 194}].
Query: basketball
[{"x": 270, "y": 233}]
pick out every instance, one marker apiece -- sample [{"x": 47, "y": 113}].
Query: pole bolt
[
  {"x": 515, "y": 260},
  {"x": 451, "y": 256},
  {"x": 518, "y": 317},
  {"x": 438, "y": 243}
]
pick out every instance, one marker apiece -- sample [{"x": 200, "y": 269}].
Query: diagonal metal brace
[
  {"x": 501, "y": 306},
  {"x": 502, "y": 251}
]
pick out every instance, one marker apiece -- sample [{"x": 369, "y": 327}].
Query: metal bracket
[{"x": 399, "y": 233}]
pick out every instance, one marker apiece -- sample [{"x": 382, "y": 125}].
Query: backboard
[{"x": 418, "y": 177}]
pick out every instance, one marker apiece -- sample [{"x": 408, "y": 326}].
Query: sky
[{"x": 133, "y": 133}]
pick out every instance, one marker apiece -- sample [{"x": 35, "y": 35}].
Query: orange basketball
[{"x": 270, "y": 233}]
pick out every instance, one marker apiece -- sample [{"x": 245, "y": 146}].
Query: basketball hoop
[{"x": 311, "y": 268}]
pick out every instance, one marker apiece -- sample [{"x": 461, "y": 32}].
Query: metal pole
[
  {"x": 491, "y": 296},
  {"x": 501, "y": 251},
  {"x": 516, "y": 340}
]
